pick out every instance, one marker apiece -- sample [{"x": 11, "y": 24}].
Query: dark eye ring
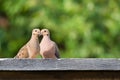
[
  {"x": 44, "y": 30},
  {"x": 35, "y": 30}
]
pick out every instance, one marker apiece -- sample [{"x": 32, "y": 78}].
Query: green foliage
[{"x": 81, "y": 28}]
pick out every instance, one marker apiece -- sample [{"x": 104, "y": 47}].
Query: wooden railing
[{"x": 60, "y": 69}]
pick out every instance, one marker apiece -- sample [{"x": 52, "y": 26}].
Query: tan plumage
[
  {"x": 32, "y": 48},
  {"x": 48, "y": 48}
]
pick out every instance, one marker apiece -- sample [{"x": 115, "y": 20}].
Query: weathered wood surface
[
  {"x": 85, "y": 64},
  {"x": 62, "y": 69}
]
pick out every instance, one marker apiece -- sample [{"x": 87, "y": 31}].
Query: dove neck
[
  {"x": 34, "y": 37},
  {"x": 46, "y": 37}
]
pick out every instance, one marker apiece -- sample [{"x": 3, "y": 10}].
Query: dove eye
[
  {"x": 45, "y": 31},
  {"x": 35, "y": 30}
]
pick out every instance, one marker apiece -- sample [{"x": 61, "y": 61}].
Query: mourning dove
[
  {"x": 32, "y": 48},
  {"x": 48, "y": 48}
]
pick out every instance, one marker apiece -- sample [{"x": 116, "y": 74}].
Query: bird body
[
  {"x": 22, "y": 53},
  {"x": 48, "y": 48},
  {"x": 31, "y": 49}
]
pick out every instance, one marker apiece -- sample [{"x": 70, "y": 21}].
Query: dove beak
[{"x": 40, "y": 34}]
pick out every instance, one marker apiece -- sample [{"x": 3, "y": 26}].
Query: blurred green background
[{"x": 81, "y": 28}]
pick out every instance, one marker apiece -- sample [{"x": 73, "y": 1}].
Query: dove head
[
  {"x": 45, "y": 32},
  {"x": 36, "y": 32}
]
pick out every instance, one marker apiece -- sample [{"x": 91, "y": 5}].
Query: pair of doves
[{"x": 46, "y": 48}]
